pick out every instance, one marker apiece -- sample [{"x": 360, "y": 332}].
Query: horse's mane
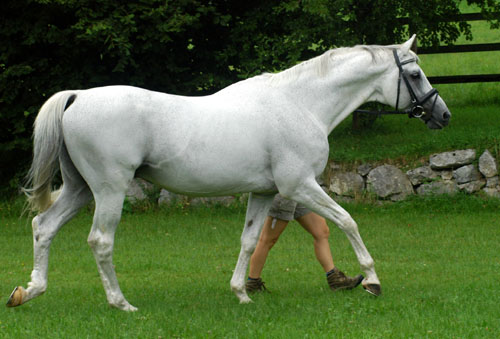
[{"x": 321, "y": 64}]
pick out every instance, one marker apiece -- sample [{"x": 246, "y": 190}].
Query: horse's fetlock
[
  {"x": 367, "y": 265},
  {"x": 37, "y": 287}
]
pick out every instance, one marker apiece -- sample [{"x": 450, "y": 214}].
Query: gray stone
[
  {"x": 492, "y": 182},
  {"x": 334, "y": 167},
  {"x": 452, "y": 159},
  {"x": 169, "y": 198},
  {"x": 438, "y": 187},
  {"x": 488, "y": 165},
  {"x": 473, "y": 186},
  {"x": 364, "y": 169},
  {"x": 446, "y": 174},
  {"x": 210, "y": 201},
  {"x": 398, "y": 197},
  {"x": 420, "y": 175},
  {"x": 137, "y": 190},
  {"x": 492, "y": 191},
  {"x": 466, "y": 174},
  {"x": 346, "y": 183},
  {"x": 388, "y": 180}
]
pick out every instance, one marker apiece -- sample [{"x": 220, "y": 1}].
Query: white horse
[{"x": 263, "y": 135}]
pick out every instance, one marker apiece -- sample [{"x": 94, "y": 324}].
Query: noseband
[{"x": 417, "y": 104}]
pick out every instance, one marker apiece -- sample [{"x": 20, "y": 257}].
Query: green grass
[
  {"x": 408, "y": 142},
  {"x": 437, "y": 259}
]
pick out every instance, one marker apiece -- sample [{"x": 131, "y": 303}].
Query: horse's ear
[{"x": 411, "y": 44}]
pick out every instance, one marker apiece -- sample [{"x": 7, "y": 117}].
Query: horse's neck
[{"x": 350, "y": 82}]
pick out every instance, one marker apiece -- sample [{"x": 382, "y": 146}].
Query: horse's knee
[
  {"x": 347, "y": 223},
  {"x": 97, "y": 242},
  {"x": 248, "y": 245}
]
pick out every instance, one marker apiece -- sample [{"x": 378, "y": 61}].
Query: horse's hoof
[
  {"x": 16, "y": 297},
  {"x": 124, "y": 306},
  {"x": 130, "y": 308},
  {"x": 373, "y": 289},
  {"x": 246, "y": 301}
]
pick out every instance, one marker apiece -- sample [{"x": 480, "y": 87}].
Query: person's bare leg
[
  {"x": 316, "y": 225},
  {"x": 268, "y": 237}
]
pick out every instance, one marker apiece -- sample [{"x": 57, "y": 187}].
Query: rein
[{"x": 417, "y": 109}]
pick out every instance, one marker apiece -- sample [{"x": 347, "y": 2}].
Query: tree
[{"x": 188, "y": 47}]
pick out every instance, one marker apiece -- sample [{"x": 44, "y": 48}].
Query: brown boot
[
  {"x": 255, "y": 285},
  {"x": 339, "y": 281}
]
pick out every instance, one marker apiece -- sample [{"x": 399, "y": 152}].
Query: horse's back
[{"x": 200, "y": 145}]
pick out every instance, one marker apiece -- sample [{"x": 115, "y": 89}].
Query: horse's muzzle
[{"x": 440, "y": 121}]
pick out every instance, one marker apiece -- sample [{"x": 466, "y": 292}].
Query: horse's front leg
[
  {"x": 258, "y": 207},
  {"x": 312, "y": 195}
]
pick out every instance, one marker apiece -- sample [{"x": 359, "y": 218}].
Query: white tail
[{"x": 47, "y": 144}]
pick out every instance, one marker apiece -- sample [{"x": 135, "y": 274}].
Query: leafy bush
[{"x": 184, "y": 47}]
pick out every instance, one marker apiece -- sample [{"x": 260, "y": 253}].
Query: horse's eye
[{"x": 415, "y": 75}]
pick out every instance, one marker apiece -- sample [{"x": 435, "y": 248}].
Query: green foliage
[{"x": 188, "y": 47}]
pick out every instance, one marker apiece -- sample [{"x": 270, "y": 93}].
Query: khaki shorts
[{"x": 285, "y": 209}]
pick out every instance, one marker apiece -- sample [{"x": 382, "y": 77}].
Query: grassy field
[
  {"x": 409, "y": 142},
  {"x": 437, "y": 260}
]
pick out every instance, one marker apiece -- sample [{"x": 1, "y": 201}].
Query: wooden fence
[{"x": 455, "y": 79}]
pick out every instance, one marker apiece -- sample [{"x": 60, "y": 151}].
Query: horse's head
[{"x": 409, "y": 89}]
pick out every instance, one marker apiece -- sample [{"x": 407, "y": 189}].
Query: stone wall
[{"x": 445, "y": 173}]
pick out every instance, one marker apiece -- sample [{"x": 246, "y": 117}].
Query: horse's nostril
[{"x": 446, "y": 115}]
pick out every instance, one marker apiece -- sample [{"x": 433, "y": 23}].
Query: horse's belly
[{"x": 209, "y": 181}]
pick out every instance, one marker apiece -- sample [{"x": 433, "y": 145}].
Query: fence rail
[
  {"x": 457, "y": 79},
  {"x": 450, "y": 79},
  {"x": 462, "y": 17},
  {"x": 463, "y": 79},
  {"x": 460, "y": 48}
]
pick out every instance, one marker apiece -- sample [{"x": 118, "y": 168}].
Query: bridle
[{"x": 417, "y": 104}]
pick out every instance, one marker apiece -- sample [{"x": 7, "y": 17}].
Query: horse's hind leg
[
  {"x": 74, "y": 195},
  {"x": 109, "y": 203},
  {"x": 258, "y": 207}
]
